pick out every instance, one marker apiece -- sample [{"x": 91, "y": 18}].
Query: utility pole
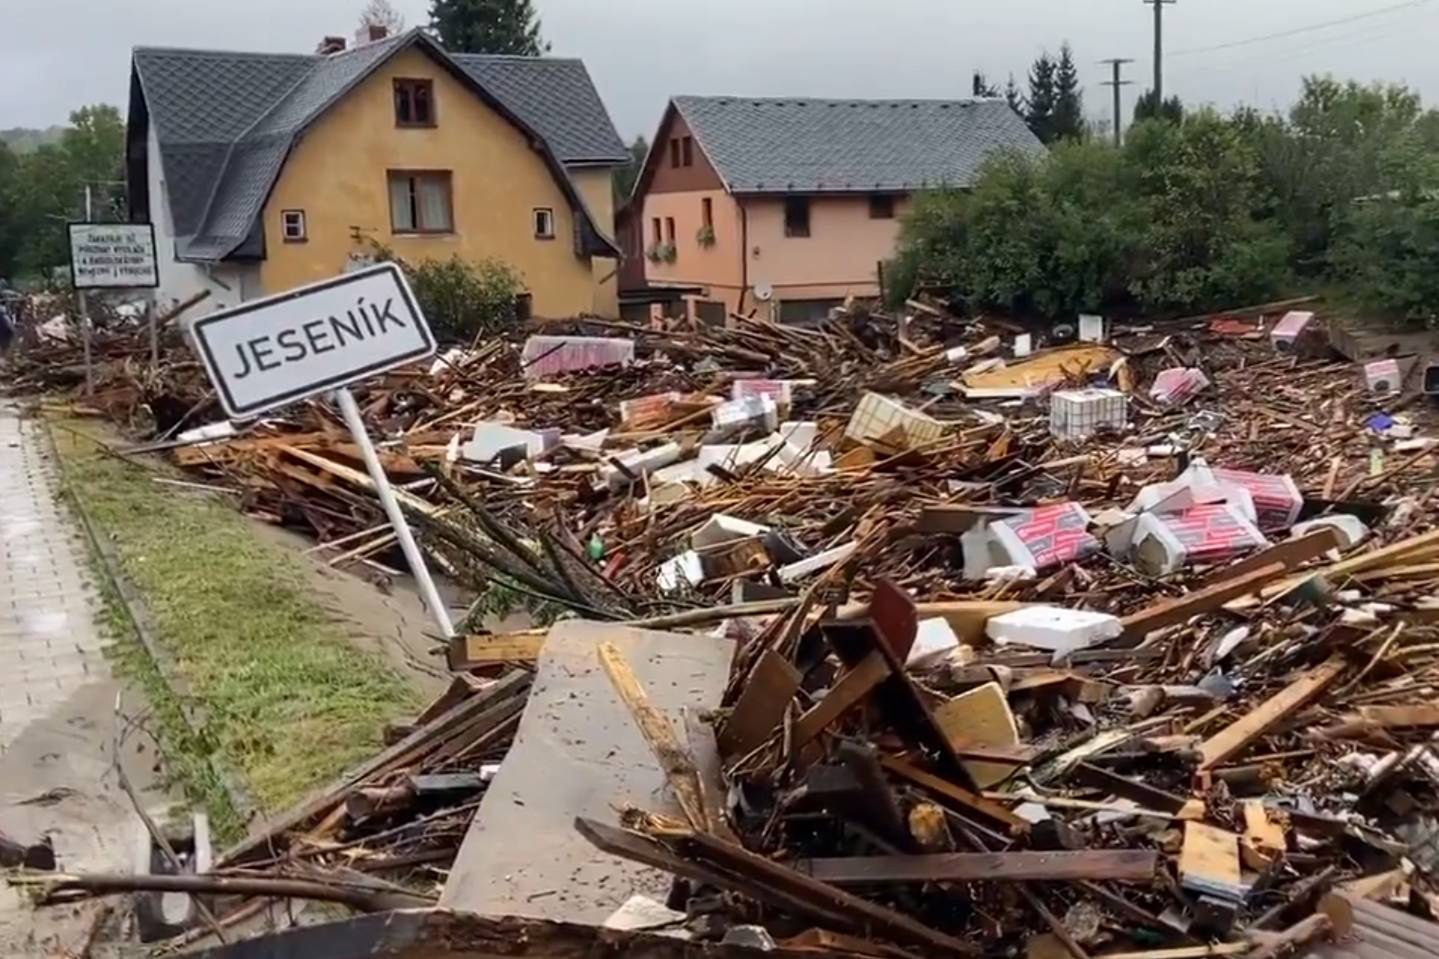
[
  {"x": 1159, "y": 48},
  {"x": 1117, "y": 63}
]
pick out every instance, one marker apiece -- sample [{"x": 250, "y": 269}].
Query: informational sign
[
  {"x": 270, "y": 352},
  {"x": 113, "y": 256}
]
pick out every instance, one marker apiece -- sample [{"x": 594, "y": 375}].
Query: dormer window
[{"x": 414, "y": 103}]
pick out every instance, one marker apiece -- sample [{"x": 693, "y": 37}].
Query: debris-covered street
[{"x": 893, "y": 638}]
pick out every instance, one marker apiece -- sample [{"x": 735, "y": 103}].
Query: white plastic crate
[
  {"x": 1076, "y": 414},
  {"x": 878, "y": 416}
]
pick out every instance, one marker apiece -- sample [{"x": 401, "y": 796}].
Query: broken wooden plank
[
  {"x": 1290, "y": 553},
  {"x": 1137, "y": 791},
  {"x": 853, "y": 686},
  {"x": 1123, "y": 865},
  {"x": 761, "y": 705},
  {"x": 1236, "y": 737},
  {"x": 678, "y": 765},
  {"x": 1209, "y": 862},
  {"x": 473, "y": 652},
  {"x": 1264, "y": 842},
  {"x": 1180, "y": 608},
  {"x": 969, "y": 801}
]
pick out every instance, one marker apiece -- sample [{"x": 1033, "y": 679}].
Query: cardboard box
[{"x": 1042, "y": 537}]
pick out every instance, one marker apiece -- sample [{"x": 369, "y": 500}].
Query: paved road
[{"x": 57, "y": 697}]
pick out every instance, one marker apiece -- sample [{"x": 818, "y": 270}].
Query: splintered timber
[{"x": 314, "y": 337}]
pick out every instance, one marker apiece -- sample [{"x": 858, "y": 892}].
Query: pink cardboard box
[
  {"x": 1164, "y": 542},
  {"x": 1277, "y": 501},
  {"x": 1046, "y": 536}
]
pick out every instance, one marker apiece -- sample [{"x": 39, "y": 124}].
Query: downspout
[{"x": 743, "y": 254}]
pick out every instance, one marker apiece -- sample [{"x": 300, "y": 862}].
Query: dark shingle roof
[
  {"x": 788, "y": 145},
  {"x": 558, "y": 99},
  {"x": 226, "y": 121}
]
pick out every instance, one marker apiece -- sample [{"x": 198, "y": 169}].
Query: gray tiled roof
[
  {"x": 789, "y": 145},
  {"x": 558, "y": 99},
  {"x": 226, "y": 121}
]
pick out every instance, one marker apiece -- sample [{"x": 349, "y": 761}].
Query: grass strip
[{"x": 285, "y": 700}]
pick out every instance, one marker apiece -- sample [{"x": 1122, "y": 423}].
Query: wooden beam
[
  {"x": 853, "y": 686},
  {"x": 1124, "y": 865},
  {"x": 1178, "y": 609},
  {"x": 1132, "y": 789},
  {"x": 1236, "y": 737},
  {"x": 762, "y": 704},
  {"x": 1290, "y": 553},
  {"x": 971, "y": 802},
  {"x": 678, "y": 765},
  {"x": 471, "y": 652}
]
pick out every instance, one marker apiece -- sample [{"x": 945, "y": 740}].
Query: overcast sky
[{"x": 56, "y": 55}]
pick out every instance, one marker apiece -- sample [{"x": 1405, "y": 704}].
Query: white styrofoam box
[
  {"x": 722, "y": 528},
  {"x": 1212, "y": 533},
  {"x": 1351, "y": 529},
  {"x": 821, "y": 561},
  {"x": 1023, "y": 345},
  {"x": 932, "y": 638},
  {"x": 491, "y": 439},
  {"x": 1092, "y": 328},
  {"x": 1077, "y": 414},
  {"x": 547, "y": 355},
  {"x": 685, "y": 567},
  {"x": 876, "y": 416},
  {"x": 800, "y": 433},
  {"x": 640, "y": 462},
  {"x": 753, "y": 412},
  {"x": 1053, "y": 628}
]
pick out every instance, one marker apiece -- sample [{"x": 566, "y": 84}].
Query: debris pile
[{"x": 1115, "y": 648}]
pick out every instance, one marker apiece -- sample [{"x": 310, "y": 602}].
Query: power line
[{"x": 1296, "y": 31}]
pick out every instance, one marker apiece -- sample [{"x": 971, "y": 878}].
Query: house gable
[{"x": 661, "y": 175}]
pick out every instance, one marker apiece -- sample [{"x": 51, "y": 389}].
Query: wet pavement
[{"x": 57, "y": 698}]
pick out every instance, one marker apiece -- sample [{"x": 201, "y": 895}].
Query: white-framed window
[
  {"x": 292, "y": 226},
  {"x": 421, "y": 201},
  {"x": 544, "y": 223}
]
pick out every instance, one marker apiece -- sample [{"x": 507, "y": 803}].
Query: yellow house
[{"x": 262, "y": 172}]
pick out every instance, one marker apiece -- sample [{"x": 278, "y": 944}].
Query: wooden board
[
  {"x": 1290, "y": 553},
  {"x": 761, "y": 705},
  {"x": 471, "y": 652},
  {"x": 966, "y": 800},
  {"x": 853, "y": 686},
  {"x": 1209, "y": 861},
  {"x": 1236, "y": 737},
  {"x": 980, "y": 716},
  {"x": 1124, "y": 865},
  {"x": 1178, "y": 609},
  {"x": 1264, "y": 841}
]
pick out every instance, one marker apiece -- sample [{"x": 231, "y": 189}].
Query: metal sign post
[
  {"x": 320, "y": 338},
  {"x": 350, "y": 410}
]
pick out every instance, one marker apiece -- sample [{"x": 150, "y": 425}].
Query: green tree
[
  {"x": 1041, "y": 102},
  {"x": 1068, "y": 122},
  {"x": 1013, "y": 97},
  {"x": 1147, "y": 107},
  {"x": 488, "y": 26},
  {"x": 626, "y": 176},
  {"x": 9, "y": 227}
]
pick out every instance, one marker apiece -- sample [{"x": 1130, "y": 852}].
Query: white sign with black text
[
  {"x": 113, "y": 256},
  {"x": 270, "y": 352}
]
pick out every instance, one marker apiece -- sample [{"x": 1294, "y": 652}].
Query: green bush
[{"x": 463, "y": 299}]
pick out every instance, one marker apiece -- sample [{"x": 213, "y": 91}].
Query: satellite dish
[{"x": 763, "y": 291}]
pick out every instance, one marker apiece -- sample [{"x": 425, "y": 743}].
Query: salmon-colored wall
[
  {"x": 718, "y": 266},
  {"x": 337, "y": 175},
  {"x": 837, "y": 259}
]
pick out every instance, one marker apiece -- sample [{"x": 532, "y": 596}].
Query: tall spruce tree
[
  {"x": 981, "y": 86},
  {"x": 488, "y": 26},
  {"x": 1041, "y": 102},
  {"x": 1068, "y": 98}
]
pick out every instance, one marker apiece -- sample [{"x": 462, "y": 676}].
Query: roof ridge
[
  {"x": 738, "y": 98},
  {"x": 257, "y": 54},
  {"x": 520, "y": 57}
]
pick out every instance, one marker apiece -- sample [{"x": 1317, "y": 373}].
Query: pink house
[{"x": 790, "y": 206}]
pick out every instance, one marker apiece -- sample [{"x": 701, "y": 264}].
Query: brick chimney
[
  {"x": 378, "y": 31},
  {"x": 331, "y": 45}
]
